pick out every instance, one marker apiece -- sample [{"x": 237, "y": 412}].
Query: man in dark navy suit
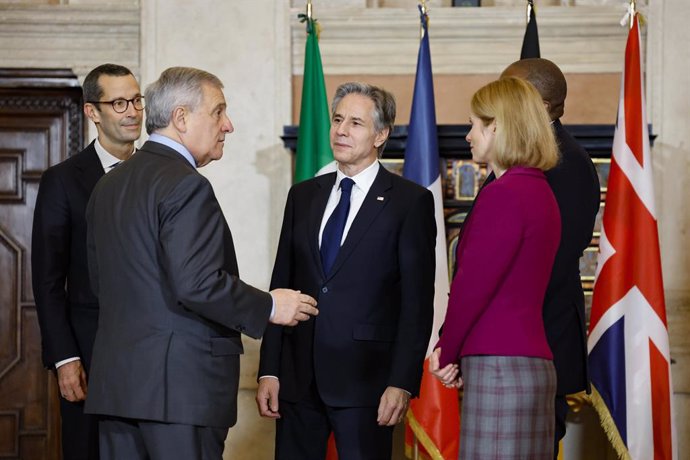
[
  {"x": 67, "y": 308},
  {"x": 362, "y": 241},
  {"x": 575, "y": 184}
]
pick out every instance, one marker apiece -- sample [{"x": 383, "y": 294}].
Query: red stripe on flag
[
  {"x": 632, "y": 231},
  {"x": 435, "y": 419},
  {"x": 661, "y": 404},
  {"x": 633, "y": 95}
]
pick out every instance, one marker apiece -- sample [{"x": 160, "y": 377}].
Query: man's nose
[
  {"x": 131, "y": 111},
  {"x": 227, "y": 125}
]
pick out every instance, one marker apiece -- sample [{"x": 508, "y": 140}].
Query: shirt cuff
[
  {"x": 273, "y": 307},
  {"x": 65, "y": 361},
  {"x": 268, "y": 377}
]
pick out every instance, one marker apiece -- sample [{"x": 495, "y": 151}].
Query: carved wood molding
[
  {"x": 20, "y": 102},
  {"x": 384, "y": 41},
  {"x": 79, "y": 36}
]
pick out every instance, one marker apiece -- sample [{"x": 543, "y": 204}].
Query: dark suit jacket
[
  {"x": 375, "y": 308},
  {"x": 575, "y": 184},
  {"x": 163, "y": 265},
  {"x": 67, "y": 308}
]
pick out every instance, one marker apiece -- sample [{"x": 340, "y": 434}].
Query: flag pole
[
  {"x": 423, "y": 8},
  {"x": 309, "y": 10},
  {"x": 530, "y": 5}
]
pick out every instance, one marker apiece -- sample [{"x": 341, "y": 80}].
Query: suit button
[
  {"x": 324, "y": 289},
  {"x": 240, "y": 328}
]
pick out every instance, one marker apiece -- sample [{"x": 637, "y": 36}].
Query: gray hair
[
  {"x": 384, "y": 105},
  {"x": 177, "y": 86}
]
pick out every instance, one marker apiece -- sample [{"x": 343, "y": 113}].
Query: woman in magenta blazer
[{"x": 493, "y": 342}]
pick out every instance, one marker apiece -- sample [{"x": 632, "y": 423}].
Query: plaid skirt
[{"x": 507, "y": 408}]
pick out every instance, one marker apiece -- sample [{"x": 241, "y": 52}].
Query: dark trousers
[
  {"x": 79, "y": 432},
  {"x": 561, "y": 414},
  {"x": 131, "y": 439},
  {"x": 303, "y": 429}
]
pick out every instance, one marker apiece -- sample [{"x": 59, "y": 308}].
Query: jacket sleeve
[
  {"x": 192, "y": 247},
  {"x": 269, "y": 363},
  {"x": 490, "y": 242},
  {"x": 417, "y": 258},
  {"x": 50, "y": 259}
]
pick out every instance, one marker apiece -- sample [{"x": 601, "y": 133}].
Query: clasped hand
[{"x": 449, "y": 375}]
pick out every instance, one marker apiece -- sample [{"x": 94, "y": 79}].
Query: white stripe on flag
[{"x": 442, "y": 286}]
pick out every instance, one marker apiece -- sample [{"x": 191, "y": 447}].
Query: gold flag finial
[
  {"x": 633, "y": 8},
  {"x": 631, "y": 14},
  {"x": 309, "y": 9},
  {"x": 530, "y": 6}
]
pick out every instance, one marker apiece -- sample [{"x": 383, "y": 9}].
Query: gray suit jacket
[{"x": 162, "y": 263}]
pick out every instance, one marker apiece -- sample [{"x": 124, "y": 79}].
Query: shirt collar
[
  {"x": 363, "y": 179},
  {"x": 107, "y": 159},
  {"x": 176, "y": 146}
]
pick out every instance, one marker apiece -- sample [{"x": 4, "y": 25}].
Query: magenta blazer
[{"x": 504, "y": 263}]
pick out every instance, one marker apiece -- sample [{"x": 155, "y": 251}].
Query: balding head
[{"x": 546, "y": 77}]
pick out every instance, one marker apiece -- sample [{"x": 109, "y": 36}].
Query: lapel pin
[{"x": 379, "y": 198}]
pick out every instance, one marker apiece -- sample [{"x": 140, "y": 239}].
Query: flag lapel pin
[{"x": 379, "y": 198}]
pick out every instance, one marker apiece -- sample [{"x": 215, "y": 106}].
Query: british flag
[{"x": 628, "y": 345}]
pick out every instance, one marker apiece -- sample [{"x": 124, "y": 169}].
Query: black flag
[{"x": 530, "y": 44}]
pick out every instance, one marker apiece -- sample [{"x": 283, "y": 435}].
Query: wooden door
[{"x": 41, "y": 124}]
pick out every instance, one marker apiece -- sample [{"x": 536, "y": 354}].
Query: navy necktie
[{"x": 333, "y": 231}]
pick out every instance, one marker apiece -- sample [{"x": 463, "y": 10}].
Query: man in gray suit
[{"x": 165, "y": 365}]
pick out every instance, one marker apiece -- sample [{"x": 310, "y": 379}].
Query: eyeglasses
[{"x": 120, "y": 105}]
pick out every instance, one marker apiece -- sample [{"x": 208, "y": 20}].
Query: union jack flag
[{"x": 629, "y": 355}]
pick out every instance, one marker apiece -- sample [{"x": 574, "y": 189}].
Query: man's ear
[
  {"x": 179, "y": 119},
  {"x": 381, "y": 137},
  {"x": 92, "y": 113},
  {"x": 548, "y": 107}
]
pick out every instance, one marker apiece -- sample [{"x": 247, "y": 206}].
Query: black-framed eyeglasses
[{"x": 120, "y": 104}]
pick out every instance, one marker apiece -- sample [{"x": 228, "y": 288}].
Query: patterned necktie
[
  {"x": 333, "y": 231},
  {"x": 113, "y": 166}
]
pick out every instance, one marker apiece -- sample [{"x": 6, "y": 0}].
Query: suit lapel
[
  {"x": 324, "y": 185},
  {"x": 373, "y": 204},
  {"x": 90, "y": 168}
]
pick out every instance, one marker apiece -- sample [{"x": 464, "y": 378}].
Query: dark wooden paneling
[{"x": 40, "y": 125}]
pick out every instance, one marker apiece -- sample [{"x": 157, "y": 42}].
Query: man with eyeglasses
[{"x": 67, "y": 308}]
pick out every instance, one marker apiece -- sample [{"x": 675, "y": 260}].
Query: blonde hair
[{"x": 524, "y": 136}]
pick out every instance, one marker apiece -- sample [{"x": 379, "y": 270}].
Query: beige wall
[{"x": 592, "y": 98}]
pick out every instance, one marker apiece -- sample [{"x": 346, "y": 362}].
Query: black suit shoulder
[
  {"x": 575, "y": 185},
  {"x": 405, "y": 185},
  {"x": 86, "y": 159}
]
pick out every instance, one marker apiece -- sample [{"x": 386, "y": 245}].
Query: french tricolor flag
[
  {"x": 629, "y": 357},
  {"x": 434, "y": 416}
]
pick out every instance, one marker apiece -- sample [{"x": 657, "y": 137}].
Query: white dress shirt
[
  {"x": 363, "y": 182},
  {"x": 108, "y": 161}
]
